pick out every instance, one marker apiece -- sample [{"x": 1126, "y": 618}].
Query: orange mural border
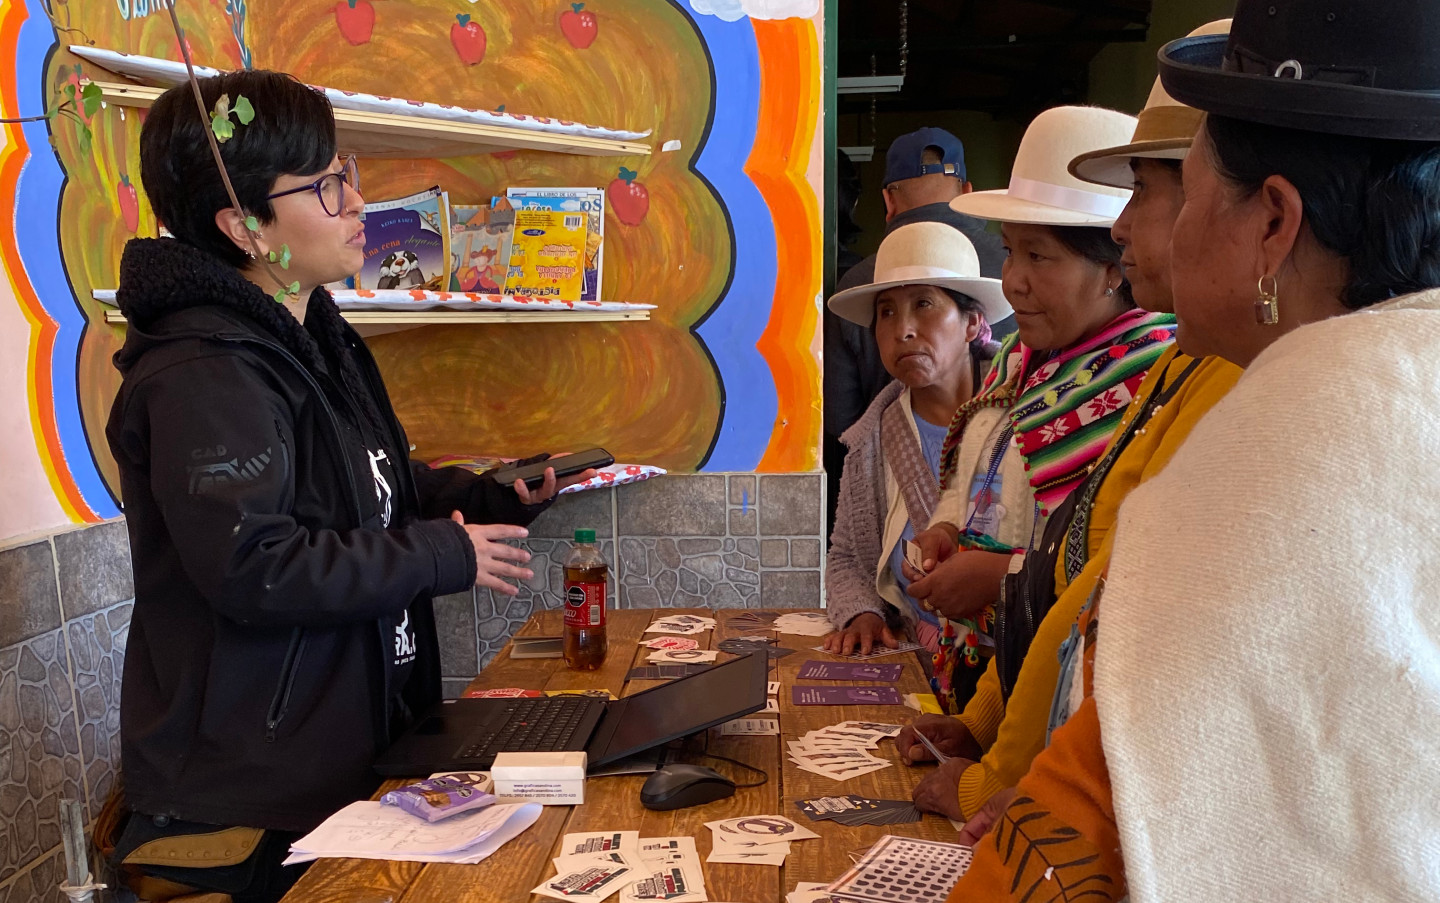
[
  {"x": 789, "y": 99},
  {"x": 42, "y": 328}
]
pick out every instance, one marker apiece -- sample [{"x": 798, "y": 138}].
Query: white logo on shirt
[
  {"x": 382, "y": 488},
  {"x": 404, "y": 641}
]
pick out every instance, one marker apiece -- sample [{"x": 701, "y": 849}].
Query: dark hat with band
[{"x": 1368, "y": 68}]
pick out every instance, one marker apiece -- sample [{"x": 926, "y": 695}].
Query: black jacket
[{"x": 258, "y": 671}]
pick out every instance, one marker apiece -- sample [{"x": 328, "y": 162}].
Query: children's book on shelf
[
  {"x": 547, "y": 255},
  {"x": 480, "y": 246},
  {"x": 407, "y": 243},
  {"x": 589, "y": 201}
]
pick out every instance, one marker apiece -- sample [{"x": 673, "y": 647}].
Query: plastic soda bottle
[{"x": 585, "y": 590}]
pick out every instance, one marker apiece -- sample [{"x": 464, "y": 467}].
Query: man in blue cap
[{"x": 924, "y": 171}]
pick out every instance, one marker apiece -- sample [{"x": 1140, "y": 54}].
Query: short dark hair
[
  {"x": 1374, "y": 202},
  {"x": 293, "y": 132},
  {"x": 1095, "y": 244}
]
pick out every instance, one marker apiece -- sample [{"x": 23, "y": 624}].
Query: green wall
[{"x": 1122, "y": 75}]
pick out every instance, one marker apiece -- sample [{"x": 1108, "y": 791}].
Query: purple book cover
[
  {"x": 818, "y": 670},
  {"x": 845, "y": 696}
]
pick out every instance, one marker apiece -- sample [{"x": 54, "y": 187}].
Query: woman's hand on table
[
  {"x": 492, "y": 554},
  {"x": 982, "y": 821},
  {"x": 551, "y": 487},
  {"x": 861, "y": 635},
  {"x": 939, "y": 791},
  {"x": 936, "y": 544},
  {"x": 949, "y": 736},
  {"x": 962, "y": 585}
]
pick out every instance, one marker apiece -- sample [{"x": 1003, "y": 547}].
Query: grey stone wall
[
  {"x": 738, "y": 540},
  {"x": 63, "y": 621}
]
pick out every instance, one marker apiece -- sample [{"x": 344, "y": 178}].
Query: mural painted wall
[{"x": 725, "y": 238}]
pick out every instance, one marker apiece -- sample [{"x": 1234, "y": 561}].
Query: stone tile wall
[
  {"x": 63, "y": 621},
  {"x": 701, "y": 540},
  {"x": 737, "y": 540}
]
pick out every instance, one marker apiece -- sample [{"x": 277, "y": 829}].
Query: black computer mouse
[{"x": 678, "y": 786}]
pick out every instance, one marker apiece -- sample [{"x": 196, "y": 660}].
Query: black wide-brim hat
[{"x": 1367, "y": 68}]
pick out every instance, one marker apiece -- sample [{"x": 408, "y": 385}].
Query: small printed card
[
  {"x": 845, "y": 696},
  {"x": 750, "y": 727},
  {"x": 671, "y": 642},
  {"x": 683, "y": 656},
  {"x": 818, "y": 670}
]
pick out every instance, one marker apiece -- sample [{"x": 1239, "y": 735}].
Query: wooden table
[{"x": 614, "y": 802}]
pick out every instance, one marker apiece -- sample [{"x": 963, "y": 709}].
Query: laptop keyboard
[{"x": 531, "y": 725}]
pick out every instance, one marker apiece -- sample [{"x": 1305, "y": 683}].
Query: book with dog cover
[{"x": 407, "y": 243}]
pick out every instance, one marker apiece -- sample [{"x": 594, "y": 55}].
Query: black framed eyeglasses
[{"x": 330, "y": 188}]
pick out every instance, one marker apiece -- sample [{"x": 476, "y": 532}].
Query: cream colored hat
[
  {"x": 924, "y": 254},
  {"x": 1165, "y": 131},
  {"x": 1042, "y": 191}
]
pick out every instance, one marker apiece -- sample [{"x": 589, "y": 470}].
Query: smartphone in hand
[{"x": 565, "y": 466}]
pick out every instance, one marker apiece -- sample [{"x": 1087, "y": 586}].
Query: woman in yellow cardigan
[{"x": 1006, "y": 722}]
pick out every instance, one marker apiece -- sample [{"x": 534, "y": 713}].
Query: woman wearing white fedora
[
  {"x": 1217, "y": 751},
  {"x": 1012, "y": 706},
  {"x": 929, "y": 309},
  {"x": 1057, "y": 391}
]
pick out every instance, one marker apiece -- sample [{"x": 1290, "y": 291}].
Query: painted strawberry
[
  {"x": 469, "y": 39},
  {"x": 628, "y": 198},
  {"x": 129, "y": 203},
  {"x": 579, "y": 26},
  {"x": 356, "y": 19}
]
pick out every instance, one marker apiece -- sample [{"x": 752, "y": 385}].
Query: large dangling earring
[{"x": 1267, "y": 305}]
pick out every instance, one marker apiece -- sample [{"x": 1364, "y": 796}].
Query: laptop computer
[{"x": 466, "y": 734}]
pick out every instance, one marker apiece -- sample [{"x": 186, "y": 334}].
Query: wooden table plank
[
  {"x": 525, "y": 861},
  {"x": 613, "y": 802},
  {"x": 828, "y": 859}
]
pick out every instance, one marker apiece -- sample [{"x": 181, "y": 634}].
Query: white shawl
[{"x": 1267, "y": 665}]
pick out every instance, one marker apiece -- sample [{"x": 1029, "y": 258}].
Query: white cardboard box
[{"x": 547, "y": 778}]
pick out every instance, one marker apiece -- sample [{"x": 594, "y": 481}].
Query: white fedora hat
[
  {"x": 924, "y": 254},
  {"x": 1165, "y": 130},
  {"x": 1042, "y": 191}
]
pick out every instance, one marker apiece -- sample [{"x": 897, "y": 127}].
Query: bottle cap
[{"x": 585, "y": 536}]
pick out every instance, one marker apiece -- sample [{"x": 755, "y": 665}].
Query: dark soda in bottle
[{"x": 585, "y": 590}]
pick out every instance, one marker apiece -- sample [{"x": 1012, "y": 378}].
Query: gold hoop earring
[{"x": 1267, "y": 305}]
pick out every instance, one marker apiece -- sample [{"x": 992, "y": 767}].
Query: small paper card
[
  {"x": 889, "y": 730},
  {"x": 845, "y": 696},
  {"x": 750, "y": 727},
  {"x": 683, "y": 656},
  {"x": 600, "y": 842},
  {"x": 763, "y": 829},
  {"x": 667, "y": 849},
  {"x": 773, "y": 688},
  {"x": 591, "y": 883},
  {"x": 818, "y": 670},
  {"x": 664, "y": 672},
  {"x": 671, "y": 642},
  {"x": 914, "y": 557},
  {"x": 674, "y": 882}
]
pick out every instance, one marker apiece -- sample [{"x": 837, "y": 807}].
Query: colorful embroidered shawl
[{"x": 1068, "y": 405}]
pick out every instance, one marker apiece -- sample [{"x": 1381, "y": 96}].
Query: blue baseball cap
[{"x": 906, "y": 157}]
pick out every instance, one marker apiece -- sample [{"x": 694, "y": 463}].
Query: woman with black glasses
[{"x": 285, "y": 548}]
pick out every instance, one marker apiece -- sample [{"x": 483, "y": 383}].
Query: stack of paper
[
  {"x": 672, "y": 872},
  {"x": 754, "y": 839},
  {"x": 594, "y": 866},
  {"x": 685, "y": 625},
  {"x": 838, "y": 751},
  {"x": 804, "y": 623},
  {"x": 372, "y": 830}
]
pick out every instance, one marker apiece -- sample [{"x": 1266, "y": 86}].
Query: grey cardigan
[{"x": 855, "y": 551}]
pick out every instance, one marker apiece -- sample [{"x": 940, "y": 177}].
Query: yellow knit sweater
[{"x": 1014, "y": 734}]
